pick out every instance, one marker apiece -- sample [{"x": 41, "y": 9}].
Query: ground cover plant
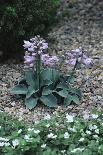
[
  {"x": 59, "y": 134},
  {"x": 43, "y": 81}
]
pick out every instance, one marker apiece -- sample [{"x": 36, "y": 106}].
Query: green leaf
[
  {"x": 75, "y": 99},
  {"x": 75, "y": 91},
  {"x": 30, "y": 77},
  {"x": 47, "y": 90},
  {"x": 62, "y": 93},
  {"x": 22, "y": 81},
  {"x": 49, "y": 100},
  {"x": 31, "y": 102},
  {"x": 31, "y": 91},
  {"x": 71, "y": 98},
  {"x": 19, "y": 89},
  {"x": 68, "y": 100},
  {"x": 62, "y": 85},
  {"x": 50, "y": 74}
]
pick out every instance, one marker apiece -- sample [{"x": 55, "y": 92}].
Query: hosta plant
[{"x": 43, "y": 82}]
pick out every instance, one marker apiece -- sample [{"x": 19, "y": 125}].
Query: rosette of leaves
[{"x": 50, "y": 88}]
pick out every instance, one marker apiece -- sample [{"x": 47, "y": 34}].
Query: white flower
[
  {"x": 51, "y": 135},
  {"x": 102, "y": 124},
  {"x": 7, "y": 144},
  {"x": 95, "y": 136},
  {"x": 19, "y": 131},
  {"x": 72, "y": 129},
  {"x": 86, "y": 116},
  {"x": 77, "y": 149},
  {"x": 47, "y": 117},
  {"x": 66, "y": 135},
  {"x": 43, "y": 146},
  {"x": 63, "y": 151},
  {"x": 4, "y": 139},
  {"x": 30, "y": 129},
  {"x": 88, "y": 132},
  {"x": 97, "y": 131},
  {"x": 47, "y": 125},
  {"x": 15, "y": 143},
  {"x": 81, "y": 139},
  {"x": 0, "y": 127},
  {"x": 2, "y": 143},
  {"x": 36, "y": 131},
  {"x": 69, "y": 118},
  {"x": 94, "y": 116},
  {"x": 92, "y": 127},
  {"x": 27, "y": 137}
]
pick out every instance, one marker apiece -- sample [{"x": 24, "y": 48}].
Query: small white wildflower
[
  {"x": 72, "y": 129},
  {"x": 69, "y": 118},
  {"x": 63, "y": 151},
  {"x": 88, "y": 132},
  {"x": 36, "y": 122},
  {"x": 77, "y": 149},
  {"x": 7, "y": 144},
  {"x": 102, "y": 124},
  {"x": 47, "y": 117},
  {"x": 92, "y": 127},
  {"x": 30, "y": 129},
  {"x": 19, "y": 131},
  {"x": 97, "y": 131},
  {"x": 27, "y": 137},
  {"x": 36, "y": 131},
  {"x": 66, "y": 135},
  {"x": 86, "y": 116},
  {"x": 51, "y": 135},
  {"x": 0, "y": 127},
  {"x": 47, "y": 125},
  {"x": 4, "y": 139},
  {"x": 43, "y": 146},
  {"x": 95, "y": 136},
  {"x": 94, "y": 116},
  {"x": 2, "y": 143},
  {"x": 81, "y": 139},
  {"x": 15, "y": 143}
]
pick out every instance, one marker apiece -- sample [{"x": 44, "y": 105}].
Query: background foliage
[{"x": 22, "y": 19}]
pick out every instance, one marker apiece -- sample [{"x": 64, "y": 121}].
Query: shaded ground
[{"x": 83, "y": 27}]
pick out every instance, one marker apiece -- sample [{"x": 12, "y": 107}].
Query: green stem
[
  {"x": 73, "y": 71},
  {"x": 38, "y": 68}
]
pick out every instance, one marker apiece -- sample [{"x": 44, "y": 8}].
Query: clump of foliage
[
  {"x": 43, "y": 81},
  {"x": 21, "y": 19},
  {"x": 61, "y": 134}
]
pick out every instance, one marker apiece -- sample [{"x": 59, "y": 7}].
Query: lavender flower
[
  {"x": 70, "y": 62},
  {"x": 77, "y": 55},
  {"x": 27, "y": 44},
  {"x": 51, "y": 60},
  {"x": 87, "y": 61},
  {"x": 28, "y": 59}
]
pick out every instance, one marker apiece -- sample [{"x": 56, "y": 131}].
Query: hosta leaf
[
  {"x": 50, "y": 74},
  {"x": 19, "y": 89},
  {"x": 30, "y": 77},
  {"x": 68, "y": 100},
  {"x": 62, "y": 85},
  {"x": 63, "y": 93},
  {"x": 75, "y": 99},
  {"x": 49, "y": 100},
  {"x": 22, "y": 81},
  {"x": 47, "y": 90},
  {"x": 75, "y": 91},
  {"x": 31, "y": 102},
  {"x": 46, "y": 82},
  {"x": 31, "y": 91}
]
